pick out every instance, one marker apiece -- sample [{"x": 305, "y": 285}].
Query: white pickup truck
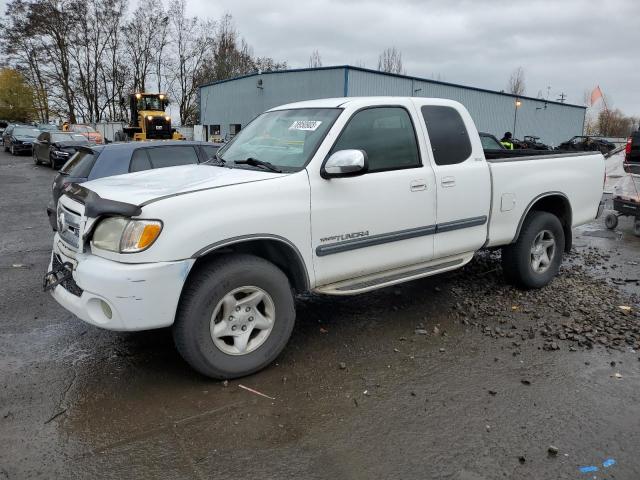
[{"x": 336, "y": 196}]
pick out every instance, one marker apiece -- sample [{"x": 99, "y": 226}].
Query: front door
[
  {"x": 463, "y": 181},
  {"x": 383, "y": 219}
]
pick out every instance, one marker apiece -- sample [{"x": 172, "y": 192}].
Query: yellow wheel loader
[{"x": 149, "y": 121}]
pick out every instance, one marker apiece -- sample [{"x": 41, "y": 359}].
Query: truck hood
[{"x": 143, "y": 187}]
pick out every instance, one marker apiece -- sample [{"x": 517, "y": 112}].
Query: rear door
[{"x": 463, "y": 179}]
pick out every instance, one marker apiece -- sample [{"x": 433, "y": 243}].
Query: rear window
[
  {"x": 447, "y": 133},
  {"x": 80, "y": 164},
  {"x": 490, "y": 143}
]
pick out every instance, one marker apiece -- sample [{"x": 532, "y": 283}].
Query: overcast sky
[{"x": 569, "y": 45}]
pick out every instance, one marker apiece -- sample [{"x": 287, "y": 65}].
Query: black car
[
  {"x": 632, "y": 153},
  {"x": 19, "y": 138},
  {"x": 97, "y": 161},
  {"x": 55, "y": 148},
  {"x": 586, "y": 143}
]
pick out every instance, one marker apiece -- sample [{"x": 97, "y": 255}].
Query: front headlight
[
  {"x": 60, "y": 153},
  {"x": 123, "y": 235}
]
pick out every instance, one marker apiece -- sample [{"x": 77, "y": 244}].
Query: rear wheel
[
  {"x": 235, "y": 316},
  {"x": 535, "y": 258}
]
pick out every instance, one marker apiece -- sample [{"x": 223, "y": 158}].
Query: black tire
[
  {"x": 35, "y": 158},
  {"x": 611, "y": 221},
  {"x": 52, "y": 162},
  {"x": 205, "y": 289},
  {"x": 517, "y": 258}
]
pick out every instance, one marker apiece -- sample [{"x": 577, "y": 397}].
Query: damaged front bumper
[{"x": 114, "y": 295}]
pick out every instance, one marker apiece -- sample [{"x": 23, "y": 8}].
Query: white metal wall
[{"x": 240, "y": 100}]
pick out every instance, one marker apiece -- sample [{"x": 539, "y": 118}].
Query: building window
[
  {"x": 234, "y": 128},
  {"x": 214, "y": 130}
]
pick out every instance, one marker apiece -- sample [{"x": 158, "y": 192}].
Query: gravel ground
[{"x": 458, "y": 376}]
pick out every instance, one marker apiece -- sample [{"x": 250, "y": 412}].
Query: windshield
[
  {"x": 68, "y": 137},
  {"x": 26, "y": 132},
  {"x": 285, "y": 138},
  {"x": 150, "y": 103}
]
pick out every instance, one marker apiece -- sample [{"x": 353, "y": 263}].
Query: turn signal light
[{"x": 149, "y": 235}]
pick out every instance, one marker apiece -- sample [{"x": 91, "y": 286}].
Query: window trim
[
  {"x": 370, "y": 107},
  {"x": 428, "y": 135}
]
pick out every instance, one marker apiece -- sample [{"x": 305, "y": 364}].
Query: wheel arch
[
  {"x": 556, "y": 203},
  {"x": 273, "y": 248}
]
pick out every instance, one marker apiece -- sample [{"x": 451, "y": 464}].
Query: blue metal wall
[{"x": 239, "y": 100}]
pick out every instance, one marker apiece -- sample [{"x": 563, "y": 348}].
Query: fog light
[{"x": 106, "y": 309}]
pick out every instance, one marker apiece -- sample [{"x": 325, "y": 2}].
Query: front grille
[
  {"x": 163, "y": 132},
  {"x": 68, "y": 226},
  {"x": 69, "y": 284}
]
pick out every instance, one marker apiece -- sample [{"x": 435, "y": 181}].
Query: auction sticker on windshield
[{"x": 309, "y": 125}]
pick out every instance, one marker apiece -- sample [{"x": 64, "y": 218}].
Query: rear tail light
[{"x": 627, "y": 148}]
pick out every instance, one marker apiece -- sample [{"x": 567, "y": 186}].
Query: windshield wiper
[{"x": 254, "y": 162}]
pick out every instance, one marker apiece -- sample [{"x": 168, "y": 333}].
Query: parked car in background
[
  {"x": 586, "y": 143},
  {"x": 632, "y": 153},
  {"x": 92, "y": 162},
  {"x": 92, "y": 135},
  {"x": 18, "y": 139},
  {"x": 55, "y": 148}
]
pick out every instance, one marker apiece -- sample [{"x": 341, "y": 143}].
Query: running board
[{"x": 393, "y": 277}]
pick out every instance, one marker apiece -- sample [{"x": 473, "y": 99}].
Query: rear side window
[
  {"x": 172, "y": 155},
  {"x": 210, "y": 151},
  {"x": 80, "y": 164},
  {"x": 448, "y": 135},
  {"x": 386, "y": 134},
  {"x": 140, "y": 161},
  {"x": 490, "y": 143}
]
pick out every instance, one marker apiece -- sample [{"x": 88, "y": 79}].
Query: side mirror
[{"x": 345, "y": 163}]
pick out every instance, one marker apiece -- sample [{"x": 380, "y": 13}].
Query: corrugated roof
[{"x": 409, "y": 77}]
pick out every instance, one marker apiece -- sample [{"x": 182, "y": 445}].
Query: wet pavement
[{"x": 456, "y": 376}]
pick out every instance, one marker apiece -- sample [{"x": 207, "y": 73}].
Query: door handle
[
  {"x": 448, "y": 182},
  {"x": 418, "y": 185}
]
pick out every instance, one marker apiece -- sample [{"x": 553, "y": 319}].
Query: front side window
[
  {"x": 447, "y": 133},
  {"x": 285, "y": 138},
  {"x": 387, "y": 136}
]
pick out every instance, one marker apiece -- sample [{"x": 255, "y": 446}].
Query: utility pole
[{"x": 562, "y": 98}]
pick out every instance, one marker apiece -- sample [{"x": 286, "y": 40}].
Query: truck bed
[{"x": 518, "y": 182}]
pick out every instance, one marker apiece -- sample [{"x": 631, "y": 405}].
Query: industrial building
[{"x": 228, "y": 105}]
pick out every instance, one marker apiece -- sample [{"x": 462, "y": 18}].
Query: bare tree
[
  {"x": 315, "y": 60},
  {"x": 191, "y": 40},
  {"x": 516, "y": 84},
  {"x": 390, "y": 61}
]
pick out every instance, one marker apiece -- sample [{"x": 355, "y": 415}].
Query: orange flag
[{"x": 596, "y": 95}]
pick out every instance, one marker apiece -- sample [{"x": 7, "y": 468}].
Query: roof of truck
[{"x": 373, "y": 100}]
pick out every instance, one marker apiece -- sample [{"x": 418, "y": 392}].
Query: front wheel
[
  {"x": 235, "y": 316},
  {"x": 535, "y": 258}
]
